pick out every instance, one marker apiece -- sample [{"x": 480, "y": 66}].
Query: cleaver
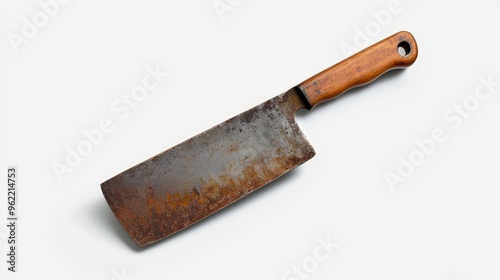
[{"x": 206, "y": 173}]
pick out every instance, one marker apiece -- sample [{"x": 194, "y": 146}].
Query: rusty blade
[{"x": 198, "y": 177}]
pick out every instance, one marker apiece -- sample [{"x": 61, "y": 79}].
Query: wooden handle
[{"x": 397, "y": 51}]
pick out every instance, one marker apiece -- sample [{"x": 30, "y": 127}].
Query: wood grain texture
[{"x": 361, "y": 68}]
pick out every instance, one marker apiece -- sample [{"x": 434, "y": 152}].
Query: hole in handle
[{"x": 404, "y": 49}]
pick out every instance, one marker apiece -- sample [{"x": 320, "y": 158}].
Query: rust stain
[
  {"x": 174, "y": 211},
  {"x": 154, "y": 203}
]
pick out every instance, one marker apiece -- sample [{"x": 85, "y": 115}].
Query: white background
[{"x": 442, "y": 222}]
